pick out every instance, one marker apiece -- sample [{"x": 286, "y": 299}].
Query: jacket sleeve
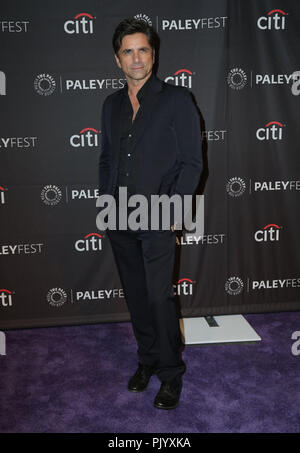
[
  {"x": 189, "y": 140},
  {"x": 105, "y": 155}
]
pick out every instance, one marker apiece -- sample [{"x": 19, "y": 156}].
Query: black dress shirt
[{"x": 127, "y": 170}]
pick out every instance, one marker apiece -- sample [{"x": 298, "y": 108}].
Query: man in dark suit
[{"x": 151, "y": 144}]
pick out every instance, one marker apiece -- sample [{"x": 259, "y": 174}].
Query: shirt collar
[{"x": 142, "y": 91}]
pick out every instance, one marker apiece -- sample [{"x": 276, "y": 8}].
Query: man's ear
[
  {"x": 117, "y": 60},
  {"x": 153, "y": 55}
]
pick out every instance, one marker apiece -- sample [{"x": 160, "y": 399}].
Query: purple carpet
[{"x": 73, "y": 379}]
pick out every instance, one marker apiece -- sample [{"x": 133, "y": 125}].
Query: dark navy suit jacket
[{"x": 169, "y": 158}]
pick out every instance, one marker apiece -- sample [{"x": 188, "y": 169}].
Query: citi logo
[
  {"x": 5, "y": 298},
  {"x": 184, "y": 287},
  {"x": 90, "y": 242},
  {"x": 87, "y": 137},
  {"x": 2, "y": 198},
  {"x": 182, "y": 77},
  {"x": 270, "y": 233},
  {"x": 271, "y": 131},
  {"x": 82, "y": 23},
  {"x": 275, "y": 20}
]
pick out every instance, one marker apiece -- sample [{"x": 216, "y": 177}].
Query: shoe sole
[
  {"x": 166, "y": 408},
  {"x": 137, "y": 391}
]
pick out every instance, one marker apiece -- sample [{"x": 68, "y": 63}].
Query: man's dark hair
[{"x": 128, "y": 27}]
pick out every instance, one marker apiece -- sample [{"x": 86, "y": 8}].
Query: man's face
[{"x": 135, "y": 56}]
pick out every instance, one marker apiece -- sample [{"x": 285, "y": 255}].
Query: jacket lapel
[
  {"x": 116, "y": 126},
  {"x": 147, "y": 111}
]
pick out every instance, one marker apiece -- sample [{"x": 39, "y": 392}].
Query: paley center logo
[
  {"x": 82, "y": 23},
  {"x": 237, "y": 78},
  {"x": 271, "y": 131},
  {"x": 87, "y": 138},
  {"x": 44, "y": 84},
  {"x": 51, "y": 195},
  {"x": 184, "y": 287},
  {"x": 269, "y": 233},
  {"x": 234, "y": 286},
  {"x": 56, "y": 297},
  {"x": 144, "y": 17},
  {"x": 182, "y": 77},
  {"x": 90, "y": 242},
  {"x": 6, "y": 299},
  {"x": 274, "y": 20},
  {"x": 236, "y": 186}
]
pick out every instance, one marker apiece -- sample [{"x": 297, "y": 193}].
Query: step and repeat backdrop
[{"x": 241, "y": 62}]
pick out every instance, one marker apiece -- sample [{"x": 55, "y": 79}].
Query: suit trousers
[{"x": 145, "y": 262}]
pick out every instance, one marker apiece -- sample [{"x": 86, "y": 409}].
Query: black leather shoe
[
  {"x": 139, "y": 381},
  {"x": 168, "y": 395}
]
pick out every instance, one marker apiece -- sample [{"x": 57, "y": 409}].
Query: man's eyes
[{"x": 127, "y": 51}]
